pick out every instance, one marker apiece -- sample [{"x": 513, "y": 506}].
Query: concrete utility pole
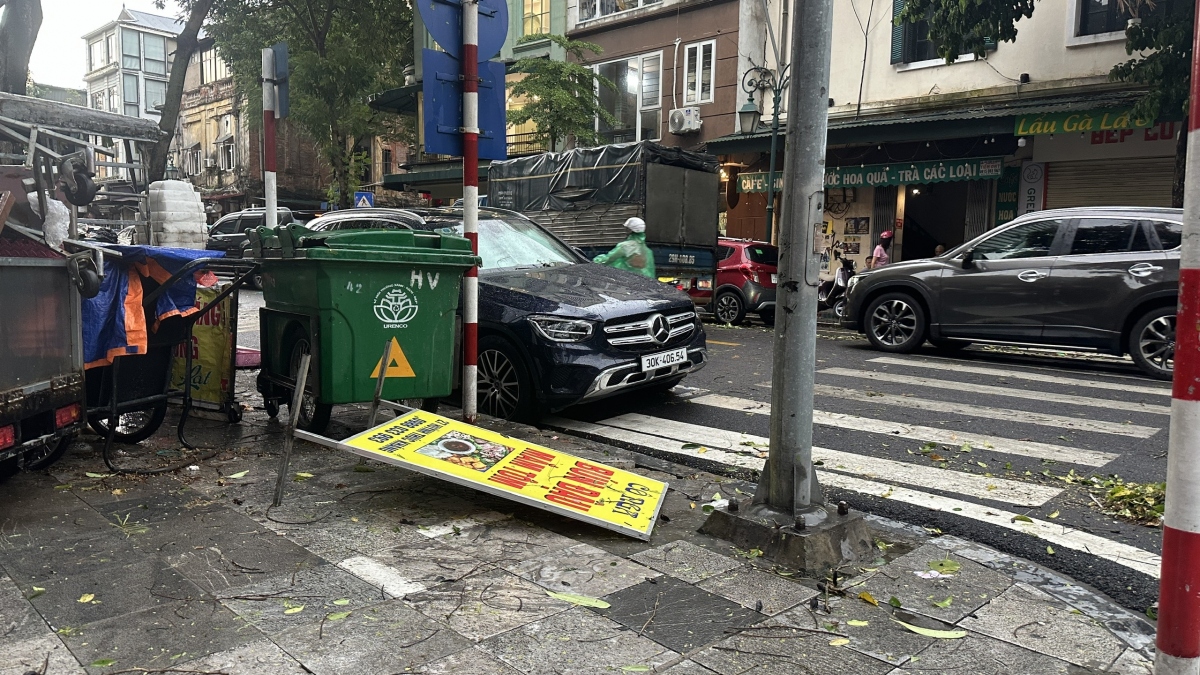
[
  {"x": 1178, "y": 639},
  {"x": 787, "y": 519}
]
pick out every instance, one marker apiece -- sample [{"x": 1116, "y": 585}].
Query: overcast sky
[{"x": 59, "y": 55}]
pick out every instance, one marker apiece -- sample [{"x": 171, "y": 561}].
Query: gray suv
[{"x": 1102, "y": 279}]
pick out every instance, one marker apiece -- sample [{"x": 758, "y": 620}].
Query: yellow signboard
[
  {"x": 211, "y": 345},
  {"x": 507, "y": 467}
]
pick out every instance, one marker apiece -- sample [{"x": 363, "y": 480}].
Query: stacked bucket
[{"x": 177, "y": 215}]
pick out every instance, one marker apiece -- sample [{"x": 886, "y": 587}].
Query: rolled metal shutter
[{"x": 1110, "y": 182}]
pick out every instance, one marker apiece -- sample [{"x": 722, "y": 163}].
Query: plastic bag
[{"x": 58, "y": 221}]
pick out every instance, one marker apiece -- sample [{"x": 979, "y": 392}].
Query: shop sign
[
  {"x": 1007, "y": 191},
  {"x": 757, "y": 182},
  {"x": 1079, "y": 122},
  {"x": 1032, "y": 190},
  {"x": 937, "y": 171},
  {"x": 512, "y": 469}
]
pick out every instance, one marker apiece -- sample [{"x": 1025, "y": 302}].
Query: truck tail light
[
  {"x": 67, "y": 415},
  {"x": 8, "y": 436}
]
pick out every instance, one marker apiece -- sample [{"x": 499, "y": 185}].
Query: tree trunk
[
  {"x": 185, "y": 44},
  {"x": 1180, "y": 167},
  {"x": 341, "y": 168},
  {"x": 19, "y": 27}
]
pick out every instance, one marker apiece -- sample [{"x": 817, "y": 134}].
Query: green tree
[
  {"x": 340, "y": 52},
  {"x": 1162, "y": 44},
  {"x": 20, "y": 21},
  {"x": 560, "y": 97}
]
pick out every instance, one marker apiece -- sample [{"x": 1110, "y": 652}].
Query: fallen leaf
[
  {"x": 302, "y": 475},
  {"x": 936, "y": 457},
  {"x": 1050, "y": 550},
  {"x": 342, "y": 602},
  {"x": 981, "y": 464},
  {"x": 87, "y": 597},
  {"x": 576, "y": 599},
  {"x": 337, "y": 616},
  {"x": 716, "y": 496},
  {"x": 37, "y": 590},
  {"x": 946, "y": 566},
  {"x": 1022, "y": 518},
  {"x": 118, "y": 492},
  {"x": 868, "y": 598},
  {"x": 702, "y": 450},
  {"x": 294, "y": 610},
  {"x": 839, "y": 642},
  {"x": 966, "y": 447},
  {"x": 1053, "y": 515},
  {"x": 89, "y": 474},
  {"x": 929, "y": 632},
  {"x": 991, "y": 487},
  {"x": 894, "y": 602},
  {"x": 944, "y": 603},
  {"x": 240, "y": 474},
  {"x": 103, "y": 663},
  {"x": 856, "y": 622},
  {"x": 692, "y": 505}
]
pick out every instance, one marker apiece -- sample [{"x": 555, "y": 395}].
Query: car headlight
[
  {"x": 557, "y": 329},
  {"x": 852, "y": 283}
]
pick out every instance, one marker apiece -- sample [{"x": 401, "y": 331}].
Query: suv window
[
  {"x": 725, "y": 253},
  {"x": 1030, "y": 240},
  {"x": 223, "y": 226},
  {"x": 763, "y": 255},
  {"x": 1170, "y": 235},
  {"x": 1108, "y": 235},
  {"x": 249, "y": 223}
]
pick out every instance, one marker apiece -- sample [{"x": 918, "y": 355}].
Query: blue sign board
[
  {"x": 442, "y": 89},
  {"x": 281, "y": 80},
  {"x": 364, "y": 200},
  {"x": 443, "y": 20}
]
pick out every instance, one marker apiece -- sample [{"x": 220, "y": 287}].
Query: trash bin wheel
[
  {"x": 271, "y": 405},
  {"x": 314, "y": 417},
  {"x": 133, "y": 426}
]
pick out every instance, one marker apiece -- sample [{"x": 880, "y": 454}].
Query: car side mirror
[
  {"x": 969, "y": 260},
  {"x": 579, "y": 252}
]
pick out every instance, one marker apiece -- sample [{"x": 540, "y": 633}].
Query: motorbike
[{"x": 831, "y": 294}]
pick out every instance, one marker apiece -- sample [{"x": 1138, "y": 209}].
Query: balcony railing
[{"x": 525, "y": 144}]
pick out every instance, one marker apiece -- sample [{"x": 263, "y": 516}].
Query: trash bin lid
[{"x": 296, "y": 241}]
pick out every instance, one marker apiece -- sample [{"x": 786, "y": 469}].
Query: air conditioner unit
[
  {"x": 685, "y": 120},
  {"x": 209, "y": 162}
]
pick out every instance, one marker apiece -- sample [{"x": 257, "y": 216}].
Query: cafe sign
[
  {"x": 1079, "y": 122},
  {"x": 757, "y": 182},
  {"x": 903, "y": 173}
]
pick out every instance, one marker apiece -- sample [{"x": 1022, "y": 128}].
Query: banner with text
[
  {"x": 1078, "y": 122},
  {"x": 507, "y": 467},
  {"x": 906, "y": 173}
]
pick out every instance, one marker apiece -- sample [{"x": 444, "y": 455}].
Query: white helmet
[{"x": 635, "y": 225}]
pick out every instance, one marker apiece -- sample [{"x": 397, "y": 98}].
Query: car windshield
[
  {"x": 763, "y": 255},
  {"x": 511, "y": 242}
]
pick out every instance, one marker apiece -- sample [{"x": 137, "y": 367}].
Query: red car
[{"x": 746, "y": 276}]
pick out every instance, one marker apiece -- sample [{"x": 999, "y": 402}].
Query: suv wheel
[
  {"x": 895, "y": 323},
  {"x": 1152, "y": 343},
  {"x": 729, "y": 308},
  {"x": 504, "y": 388}
]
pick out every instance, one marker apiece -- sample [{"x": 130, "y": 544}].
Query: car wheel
[
  {"x": 949, "y": 345},
  {"x": 729, "y": 308},
  {"x": 839, "y": 308},
  {"x": 504, "y": 388},
  {"x": 895, "y": 323},
  {"x": 314, "y": 417},
  {"x": 1152, "y": 343},
  {"x": 256, "y": 281},
  {"x": 133, "y": 426},
  {"x": 48, "y": 455}
]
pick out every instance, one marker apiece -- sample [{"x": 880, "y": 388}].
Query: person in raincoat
[{"x": 632, "y": 254}]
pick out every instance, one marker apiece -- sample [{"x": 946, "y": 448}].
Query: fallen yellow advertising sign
[{"x": 507, "y": 467}]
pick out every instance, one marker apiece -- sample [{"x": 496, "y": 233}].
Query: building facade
[
  {"x": 939, "y": 153},
  {"x": 129, "y": 63}
]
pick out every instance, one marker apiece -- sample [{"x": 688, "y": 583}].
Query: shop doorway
[{"x": 934, "y": 213}]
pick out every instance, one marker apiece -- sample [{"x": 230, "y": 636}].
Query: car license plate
[
  {"x": 664, "y": 359},
  {"x": 774, "y": 278}
]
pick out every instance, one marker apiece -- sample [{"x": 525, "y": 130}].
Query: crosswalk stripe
[
  {"x": 960, "y": 367},
  {"x": 960, "y": 387},
  {"x": 1007, "y": 446},
  {"x": 980, "y": 487},
  {"x": 1055, "y": 533}
]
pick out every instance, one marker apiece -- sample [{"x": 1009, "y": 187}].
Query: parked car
[
  {"x": 1102, "y": 279},
  {"x": 228, "y": 234},
  {"x": 554, "y": 328},
  {"x": 745, "y": 282}
]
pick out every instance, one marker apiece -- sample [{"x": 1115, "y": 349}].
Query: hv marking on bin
[{"x": 398, "y": 365}]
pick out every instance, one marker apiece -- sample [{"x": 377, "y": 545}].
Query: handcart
[{"x": 127, "y": 399}]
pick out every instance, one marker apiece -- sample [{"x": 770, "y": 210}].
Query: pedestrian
[
  {"x": 632, "y": 254},
  {"x": 938, "y": 250},
  {"x": 879, "y": 257}
]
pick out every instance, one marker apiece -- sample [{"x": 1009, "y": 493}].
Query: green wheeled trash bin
[{"x": 341, "y": 296}]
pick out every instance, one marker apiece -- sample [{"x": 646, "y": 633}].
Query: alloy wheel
[
  {"x": 499, "y": 389},
  {"x": 727, "y": 308},
  {"x": 894, "y": 322},
  {"x": 1157, "y": 343}
]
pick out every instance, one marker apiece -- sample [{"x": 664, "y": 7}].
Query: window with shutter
[{"x": 897, "y": 32}]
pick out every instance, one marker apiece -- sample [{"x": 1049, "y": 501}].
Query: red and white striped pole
[
  {"x": 269, "y": 187},
  {"x": 470, "y": 141},
  {"x": 1178, "y": 640}
]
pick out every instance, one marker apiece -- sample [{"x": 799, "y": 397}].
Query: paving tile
[
  {"x": 473, "y": 661},
  {"x": 18, "y": 620},
  {"x": 31, "y": 497},
  {"x": 389, "y": 637},
  {"x": 170, "y": 524},
  {"x": 784, "y": 650},
  {"x": 271, "y": 605},
  {"x": 688, "y": 667},
  {"x": 881, "y": 638},
  {"x": 336, "y": 540},
  {"x": 675, "y": 614},
  {"x": 20, "y": 657},
  {"x": 414, "y": 566},
  {"x": 487, "y": 603},
  {"x": 749, "y": 587},
  {"x": 576, "y": 642},
  {"x": 246, "y": 559},
  {"x": 38, "y": 560},
  {"x": 583, "y": 569},
  {"x": 1130, "y": 662},
  {"x": 972, "y": 586},
  {"x": 1028, "y": 617},
  {"x": 150, "y": 638},
  {"x": 686, "y": 561},
  {"x": 256, "y": 658},
  {"x": 981, "y": 655},
  {"x": 505, "y": 541}
]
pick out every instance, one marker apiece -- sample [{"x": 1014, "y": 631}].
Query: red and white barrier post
[
  {"x": 269, "y": 187},
  {"x": 1178, "y": 643},
  {"x": 470, "y": 134}
]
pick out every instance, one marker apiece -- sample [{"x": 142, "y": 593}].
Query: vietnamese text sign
[
  {"x": 904, "y": 173},
  {"x": 757, "y": 181},
  {"x": 510, "y": 468},
  {"x": 1078, "y": 122},
  {"x": 211, "y": 345}
]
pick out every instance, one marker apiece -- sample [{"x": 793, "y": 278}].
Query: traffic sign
[
  {"x": 442, "y": 90},
  {"x": 364, "y": 200},
  {"x": 443, "y": 20}
]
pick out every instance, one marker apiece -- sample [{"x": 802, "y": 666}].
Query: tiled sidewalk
[{"x": 370, "y": 569}]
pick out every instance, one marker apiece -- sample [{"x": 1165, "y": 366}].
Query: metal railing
[{"x": 525, "y": 144}]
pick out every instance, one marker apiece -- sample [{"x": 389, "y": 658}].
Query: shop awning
[
  {"x": 928, "y": 125},
  {"x": 401, "y": 100},
  {"x": 425, "y": 178}
]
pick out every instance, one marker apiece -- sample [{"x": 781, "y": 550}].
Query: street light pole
[{"x": 759, "y": 79}]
